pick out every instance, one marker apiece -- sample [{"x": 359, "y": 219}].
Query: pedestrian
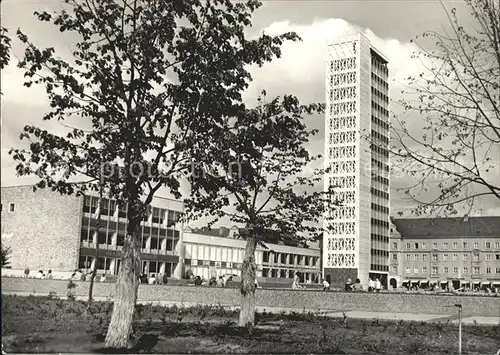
[
  {"x": 152, "y": 279},
  {"x": 49, "y": 274},
  {"x": 165, "y": 279},
  {"x": 326, "y": 285},
  {"x": 220, "y": 282},
  {"x": 27, "y": 272},
  {"x": 256, "y": 283},
  {"x": 378, "y": 285},
  {"x": 357, "y": 286},
  {"x": 103, "y": 278},
  {"x": 371, "y": 285},
  {"x": 348, "y": 285},
  {"x": 198, "y": 281},
  {"x": 296, "y": 281}
]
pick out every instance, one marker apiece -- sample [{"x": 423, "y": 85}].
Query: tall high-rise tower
[{"x": 356, "y": 240}]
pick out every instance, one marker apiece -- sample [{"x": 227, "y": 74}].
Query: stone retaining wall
[{"x": 309, "y": 299}]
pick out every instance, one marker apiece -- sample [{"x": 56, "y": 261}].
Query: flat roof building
[
  {"x": 47, "y": 230},
  {"x": 356, "y": 240}
]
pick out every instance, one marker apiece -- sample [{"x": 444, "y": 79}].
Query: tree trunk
[
  {"x": 127, "y": 285},
  {"x": 247, "y": 313}
]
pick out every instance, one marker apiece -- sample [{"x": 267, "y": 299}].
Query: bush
[{"x": 5, "y": 256}]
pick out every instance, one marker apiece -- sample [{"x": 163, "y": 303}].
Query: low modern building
[
  {"x": 46, "y": 230},
  {"x": 443, "y": 250},
  {"x": 220, "y": 251}
]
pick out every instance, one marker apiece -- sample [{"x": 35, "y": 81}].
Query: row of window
[
  {"x": 377, "y": 267},
  {"x": 342, "y": 108},
  {"x": 380, "y": 179},
  {"x": 290, "y": 259},
  {"x": 476, "y": 270},
  {"x": 343, "y": 78},
  {"x": 342, "y": 152},
  {"x": 379, "y": 150},
  {"x": 342, "y": 137},
  {"x": 348, "y": 182},
  {"x": 112, "y": 265},
  {"x": 377, "y": 81},
  {"x": 379, "y": 237},
  {"x": 378, "y": 193},
  {"x": 110, "y": 208},
  {"x": 115, "y": 239},
  {"x": 379, "y": 66},
  {"x": 445, "y": 245},
  {"x": 380, "y": 252},
  {"x": 379, "y": 208},
  {"x": 343, "y": 64},
  {"x": 380, "y": 223},
  {"x": 342, "y": 228},
  {"x": 343, "y": 212},
  {"x": 380, "y": 95},
  {"x": 211, "y": 263},
  {"x": 465, "y": 257},
  {"x": 348, "y": 92},
  {"x": 284, "y": 273},
  {"x": 380, "y": 137},
  {"x": 343, "y": 167},
  {"x": 347, "y": 122},
  {"x": 378, "y": 121},
  {"x": 380, "y": 109}
]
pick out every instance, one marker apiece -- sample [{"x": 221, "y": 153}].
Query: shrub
[{"x": 5, "y": 256}]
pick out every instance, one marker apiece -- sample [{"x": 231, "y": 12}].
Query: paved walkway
[{"x": 329, "y": 313}]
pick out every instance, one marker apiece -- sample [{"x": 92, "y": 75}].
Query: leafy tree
[
  {"x": 5, "y": 256},
  {"x": 4, "y": 48},
  {"x": 149, "y": 81},
  {"x": 457, "y": 97},
  {"x": 259, "y": 182}
]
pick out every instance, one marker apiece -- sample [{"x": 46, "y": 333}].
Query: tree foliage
[
  {"x": 457, "y": 97},
  {"x": 4, "y": 48},
  {"x": 261, "y": 182},
  {"x": 261, "y": 178},
  {"x": 150, "y": 85},
  {"x": 5, "y": 256}
]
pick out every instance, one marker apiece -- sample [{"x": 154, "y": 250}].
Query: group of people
[
  {"x": 154, "y": 279},
  {"x": 40, "y": 274},
  {"x": 373, "y": 286}
]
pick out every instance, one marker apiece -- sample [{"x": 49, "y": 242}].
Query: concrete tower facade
[{"x": 356, "y": 241}]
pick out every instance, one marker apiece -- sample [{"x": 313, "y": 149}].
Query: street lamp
[{"x": 459, "y": 306}]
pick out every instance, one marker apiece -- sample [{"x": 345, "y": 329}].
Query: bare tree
[{"x": 456, "y": 99}]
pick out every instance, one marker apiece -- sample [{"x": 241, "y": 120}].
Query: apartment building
[
  {"x": 440, "y": 250},
  {"x": 356, "y": 241}
]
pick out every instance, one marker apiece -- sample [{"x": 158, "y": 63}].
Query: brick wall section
[
  {"x": 312, "y": 300},
  {"x": 44, "y": 229}
]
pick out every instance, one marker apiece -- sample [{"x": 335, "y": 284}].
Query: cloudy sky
[{"x": 390, "y": 25}]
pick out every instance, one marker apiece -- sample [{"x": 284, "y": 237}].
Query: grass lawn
[{"x": 47, "y": 325}]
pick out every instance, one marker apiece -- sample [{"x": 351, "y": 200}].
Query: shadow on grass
[{"x": 149, "y": 335}]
